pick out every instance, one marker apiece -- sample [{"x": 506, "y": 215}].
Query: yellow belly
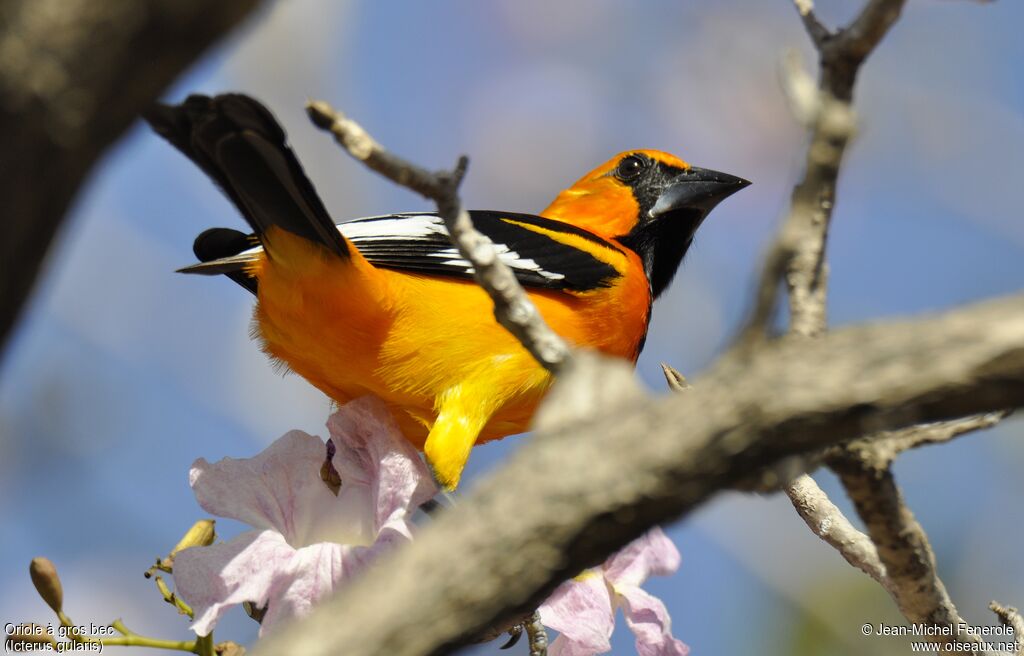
[{"x": 425, "y": 345}]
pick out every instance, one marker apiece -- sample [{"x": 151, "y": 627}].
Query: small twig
[
  {"x": 676, "y": 381},
  {"x": 512, "y": 307},
  {"x": 859, "y": 38},
  {"x": 903, "y": 546},
  {"x": 798, "y": 253},
  {"x": 829, "y": 523},
  {"x": 843, "y": 52},
  {"x": 172, "y": 598},
  {"x": 896, "y": 552},
  {"x": 892, "y": 444},
  {"x": 1012, "y": 618},
  {"x": 818, "y": 32}
]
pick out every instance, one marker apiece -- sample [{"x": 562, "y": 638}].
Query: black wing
[{"x": 418, "y": 243}]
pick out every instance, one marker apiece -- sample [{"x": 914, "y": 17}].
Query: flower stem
[
  {"x": 172, "y": 598},
  {"x": 202, "y": 646}
]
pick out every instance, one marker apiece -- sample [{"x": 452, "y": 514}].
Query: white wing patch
[{"x": 426, "y": 235}]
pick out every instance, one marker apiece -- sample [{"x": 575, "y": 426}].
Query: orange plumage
[{"x": 389, "y": 310}]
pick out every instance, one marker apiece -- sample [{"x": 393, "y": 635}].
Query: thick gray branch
[
  {"x": 579, "y": 491},
  {"x": 512, "y": 307},
  {"x": 73, "y": 75}
]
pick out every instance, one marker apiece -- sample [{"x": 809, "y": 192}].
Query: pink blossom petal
[
  {"x": 651, "y": 554},
  {"x": 214, "y": 578},
  {"x": 649, "y": 621},
  {"x": 372, "y": 452},
  {"x": 280, "y": 488},
  {"x": 312, "y": 575},
  {"x": 261, "y": 568},
  {"x": 562, "y": 646},
  {"x": 581, "y": 611},
  {"x": 312, "y": 540}
]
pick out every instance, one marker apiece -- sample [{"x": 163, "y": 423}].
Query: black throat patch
[{"x": 660, "y": 242}]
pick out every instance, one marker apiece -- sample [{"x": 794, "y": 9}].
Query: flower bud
[
  {"x": 44, "y": 577},
  {"x": 200, "y": 535}
]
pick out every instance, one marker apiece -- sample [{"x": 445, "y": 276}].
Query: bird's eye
[{"x": 629, "y": 168}]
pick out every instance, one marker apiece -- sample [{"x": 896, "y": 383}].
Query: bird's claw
[{"x": 514, "y": 634}]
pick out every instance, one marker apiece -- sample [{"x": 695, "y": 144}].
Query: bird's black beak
[{"x": 696, "y": 189}]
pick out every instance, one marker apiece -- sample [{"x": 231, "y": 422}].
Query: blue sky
[{"x": 121, "y": 372}]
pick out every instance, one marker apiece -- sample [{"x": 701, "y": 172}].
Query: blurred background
[{"x": 121, "y": 372}]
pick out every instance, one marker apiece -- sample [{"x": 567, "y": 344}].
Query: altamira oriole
[{"x": 385, "y": 306}]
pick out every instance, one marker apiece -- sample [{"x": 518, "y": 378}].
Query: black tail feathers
[{"x": 239, "y": 143}]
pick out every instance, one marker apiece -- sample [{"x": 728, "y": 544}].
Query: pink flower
[
  {"x": 582, "y": 610},
  {"x": 305, "y": 542}
]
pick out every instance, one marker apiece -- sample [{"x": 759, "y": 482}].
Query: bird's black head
[{"x": 673, "y": 198}]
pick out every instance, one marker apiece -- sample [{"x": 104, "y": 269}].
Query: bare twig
[
  {"x": 843, "y": 53},
  {"x": 799, "y": 251},
  {"x": 887, "y": 446},
  {"x": 1011, "y": 617},
  {"x": 817, "y": 31},
  {"x": 676, "y": 381},
  {"x": 903, "y": 546},
  {"x": 830, "y": 524},
  {"x": 574, "y": 504},
  {"x": 864, "y": 468},
  {"x": 512, "y": 307},
  {"x": 898, "y": 554},
  {"x": 859, "y": 38}
]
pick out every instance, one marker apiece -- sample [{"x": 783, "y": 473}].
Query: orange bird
[{"x": 385, "y": 306}]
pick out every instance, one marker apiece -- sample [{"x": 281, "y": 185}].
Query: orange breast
[{"x": 352, "y": 329}]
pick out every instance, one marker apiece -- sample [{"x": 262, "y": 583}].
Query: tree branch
[
  {"x": 843, "y": 53},
  {"x": 898, "y": 554},
  {"x": 903, "y": 546},
  {"x": 512, "y": 307},
  {"x": 830, "y": 524},
  {"x": 815, "y": 28},
  {"x": 73, "y": 76},
  {"x": 580, "y": 492},
  {"x": 887, "y": 446},
  {"x": 799, "y": 251},
  {"x": 1011, "y": 617}
]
